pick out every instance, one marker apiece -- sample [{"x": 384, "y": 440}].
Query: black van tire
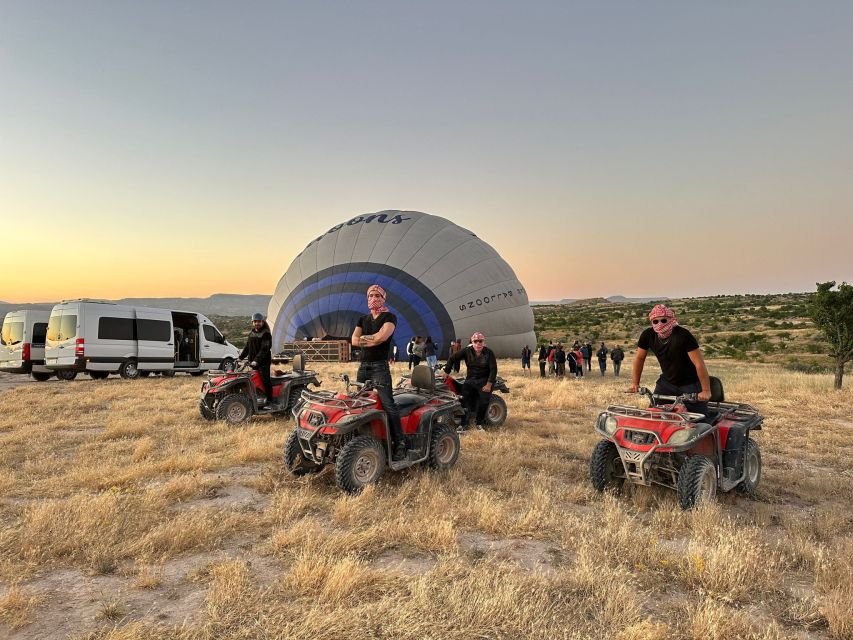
[
  {"x": 129, "y": 370},
  {"x": 66, "y": 374},
  {"x": 41, "y": 376},
  {"x": 99, "y": 375}
]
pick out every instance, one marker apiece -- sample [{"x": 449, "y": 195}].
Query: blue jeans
[
  {"x": 380, "y": 375},
  {"x": 431, "y": 361}
]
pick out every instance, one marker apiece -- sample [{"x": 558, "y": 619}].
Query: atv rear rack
[{"x": 329, "y": 400}]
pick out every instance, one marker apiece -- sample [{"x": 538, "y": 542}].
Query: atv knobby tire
[
  {"x": 361, "y": 462},
  {"x": 495, "y": 412},
  {"x": 697, "y": 482},
  {"x": 605, "y": 468},
  {"x": 295, "y": 460},
  {"x": 234, "y": 409},
  {"x": 443, "y": 448},
  {"x": 751, "y": 468},
  {"x": 206, "y": 412}
]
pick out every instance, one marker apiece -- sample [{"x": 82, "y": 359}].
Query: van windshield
[
  {"x": 62, "y": 327},
  {"x": 13, "y": 333}
]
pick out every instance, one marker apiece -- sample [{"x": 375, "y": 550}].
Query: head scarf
[
  {"x": 664, "y": 330},
  {"x": 478, "y": 346},
  {"x": 376, "y": 304}
]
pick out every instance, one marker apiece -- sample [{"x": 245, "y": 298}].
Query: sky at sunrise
[{"x": 602, "y": 148}]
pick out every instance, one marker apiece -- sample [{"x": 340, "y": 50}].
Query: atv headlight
[
  {"x": 680, "y": 437},
  {"x": 610, "y": 425}
]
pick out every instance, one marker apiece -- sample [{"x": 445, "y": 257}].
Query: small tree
[{"x": 832, "y": 312}]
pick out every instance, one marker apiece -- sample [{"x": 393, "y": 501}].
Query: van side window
[
  {"x": 116, "y": 328},
  {"x": 155, "y": 330},
  {"x": 39, "y": 333},
  {"x": 212, "y": 335}
]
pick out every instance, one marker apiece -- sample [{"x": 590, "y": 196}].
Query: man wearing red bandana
[
  {"x": 482, "y": 371},
  {"x": 682, "y": 366},
  {"x": 372, "y": 335}
]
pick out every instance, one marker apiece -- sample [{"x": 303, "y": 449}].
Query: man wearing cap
[
  {"x": 682, "y": 366},
  {"x": 372, "y": 335},
  {"x": 258, "y": 351},
  {"x": 482, "y": 371}
]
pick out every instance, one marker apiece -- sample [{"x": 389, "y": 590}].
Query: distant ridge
[
  {"x": 613, "y": 299},
  {"x": 219, "y": 304}
]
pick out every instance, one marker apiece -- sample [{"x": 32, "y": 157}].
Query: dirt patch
[
  {"x": 529, "y": 555},
  {"x": 235, "y": 497},
  {"x": 408, "y": 565}
]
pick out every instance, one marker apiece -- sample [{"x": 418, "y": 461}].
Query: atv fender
[{"x": 364, "y": 418}]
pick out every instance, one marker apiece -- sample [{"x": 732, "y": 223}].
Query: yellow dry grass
[{"x": 118, "y": 502}]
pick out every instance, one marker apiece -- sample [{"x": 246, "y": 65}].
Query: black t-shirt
[
  {"x": 370, "y": 325},
  {"x": 672, "y": 355}
]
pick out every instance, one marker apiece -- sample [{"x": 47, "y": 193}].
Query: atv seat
[
  {"x": 717, "y": 394},
  {"x": 423, "y": 378},
  {"x": 407, "y": 402},
  {"x": 299, "y": 363}
]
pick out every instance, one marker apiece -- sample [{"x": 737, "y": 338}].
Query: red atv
[
  {"x": 235, "y": 396},
  {"x": 496, "y": 412},
  {"x": 695, "y": 454},
  {"x": 350, "y": 430}
]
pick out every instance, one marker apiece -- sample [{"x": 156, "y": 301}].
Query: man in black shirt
[
  {"x": 373, "y": 335},
  {"x": 258, "y": 351},
  {"x": 482, "y": 371},
  {"x": 682, "y": 366}
]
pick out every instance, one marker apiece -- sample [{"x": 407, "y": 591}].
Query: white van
[
  {"x": 103, "y": 337},
  {"x": 22, "y": 344}
]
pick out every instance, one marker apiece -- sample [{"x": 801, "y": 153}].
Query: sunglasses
[
  {"x": 478, "y": 341},
  {"x": 660, "y": 320}
]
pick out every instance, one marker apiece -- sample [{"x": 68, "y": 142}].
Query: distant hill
[
  {"x": 219, "y": 304},
  {"x": 614, "y": 299}
]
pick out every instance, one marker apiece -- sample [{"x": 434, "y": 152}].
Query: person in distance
[{"x": 482, "y": 371}]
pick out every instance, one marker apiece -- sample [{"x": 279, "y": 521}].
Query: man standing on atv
[
  {"x": 682, "y": 366},
  {"x": 482, "y": 371},
  {"x": 258, "y": 351},
  {"x": 372, "y": 335}
]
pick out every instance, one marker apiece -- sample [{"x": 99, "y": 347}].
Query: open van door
[{"x": 156, "y": 340}]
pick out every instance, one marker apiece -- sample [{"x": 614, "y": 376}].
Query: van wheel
[
  {"x": 66, "y": 374},
  {"x": 196, "y": 374},
  {"x": 41, "y": 376},
  {"x": 99, "y": 375},
  {"x": 234, "y": 409},
  {"x": 128, "y": 370},
  {"x": 227, "y": 365}
]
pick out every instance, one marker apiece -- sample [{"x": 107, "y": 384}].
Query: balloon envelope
[{"x": 441, "y": 281}]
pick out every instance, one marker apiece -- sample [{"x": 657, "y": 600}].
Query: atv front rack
[
  {"x": 329, "y": 400},
  {"x": 655, "y": 415}
]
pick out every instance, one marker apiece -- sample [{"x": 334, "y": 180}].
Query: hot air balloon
[{"x": 442, "y": 281}]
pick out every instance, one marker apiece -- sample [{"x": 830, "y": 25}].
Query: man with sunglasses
[
  {"x": 482, "y": 371},
  {"x": 682, "y": 366}
]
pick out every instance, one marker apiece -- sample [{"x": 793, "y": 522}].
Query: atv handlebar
[{"x": 685, "y": 397}]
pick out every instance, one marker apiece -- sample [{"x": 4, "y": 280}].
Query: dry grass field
[{"x": 125, "y": 515}]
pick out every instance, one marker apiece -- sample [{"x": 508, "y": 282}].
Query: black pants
[
  {"x": 475, "y": 399},
  {"x": 264, "y": 370},
  {"x": 380, "y": 374},
  {"x": 542, "y": 364},
  {"x": 617, "y": 364},
  {"x": 665, "y": 388},
  {"x": 602, "y": 364}
]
